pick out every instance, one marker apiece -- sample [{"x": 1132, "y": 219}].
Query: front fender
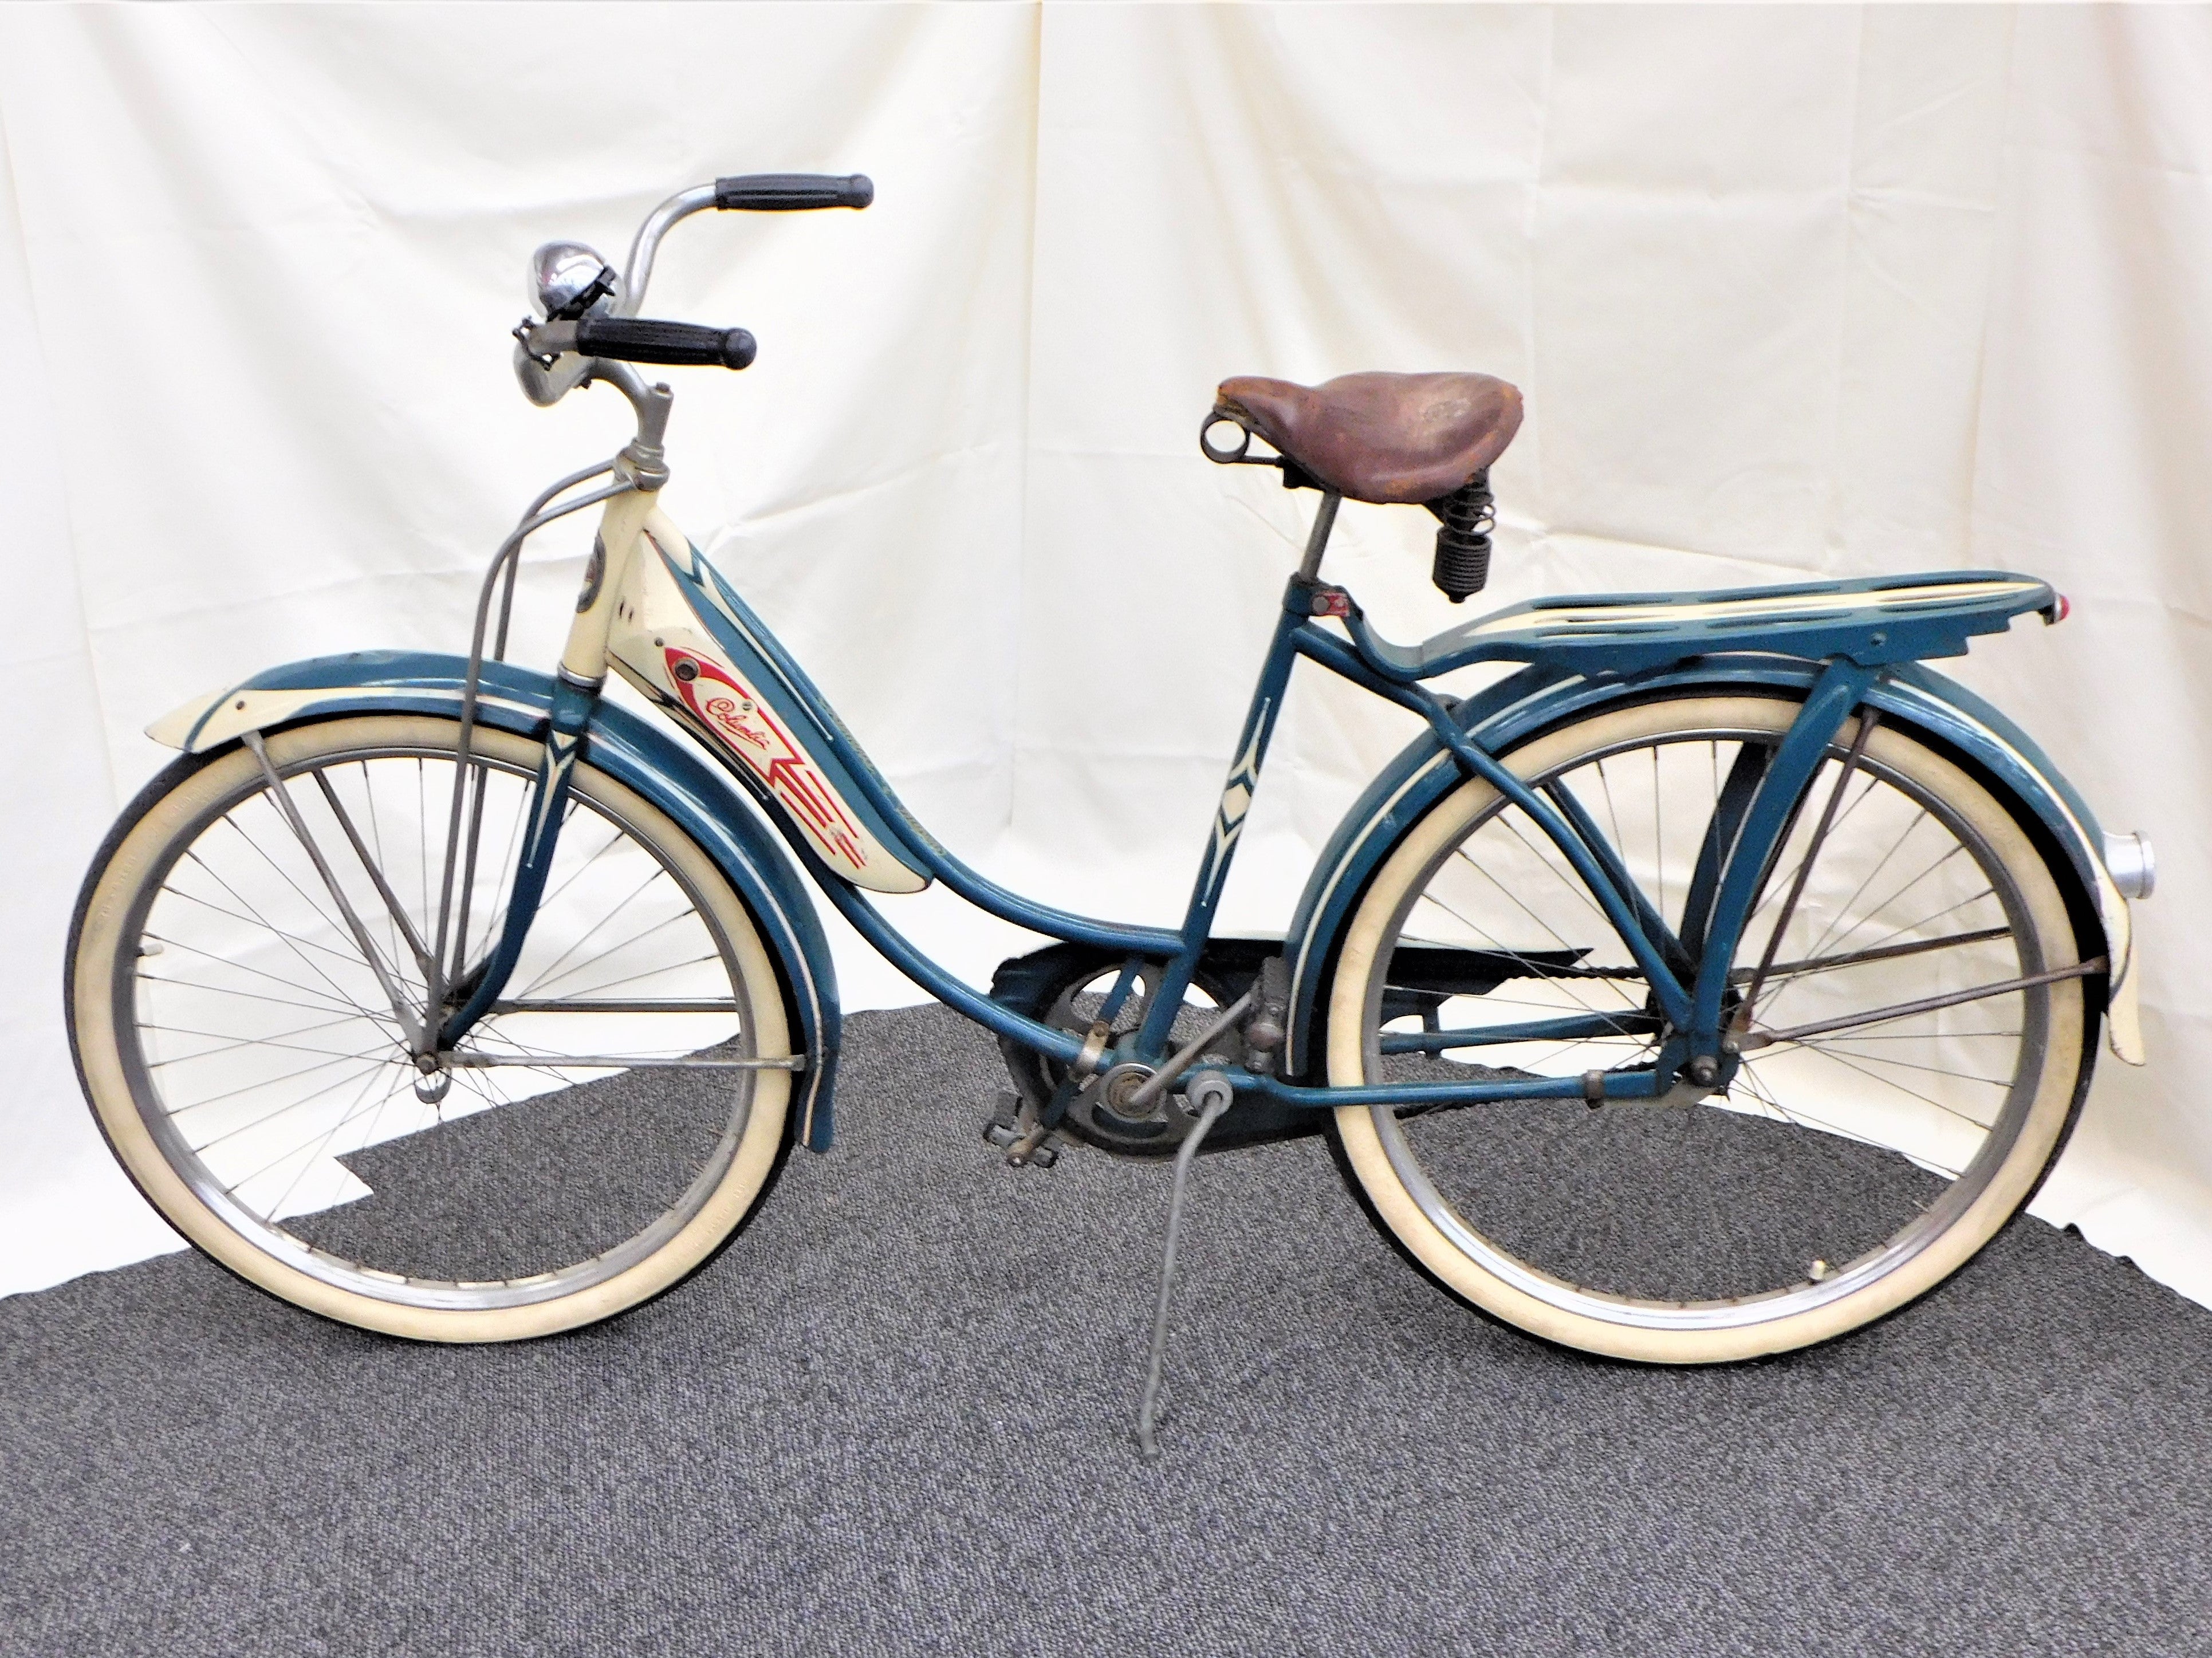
[
  {"x": 618, "y": 742},
  {"x": 1535, "y": 699}
]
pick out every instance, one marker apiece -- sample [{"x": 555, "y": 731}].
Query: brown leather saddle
[
  {"x": 1428, "y": 439},
  {"x": 1381, "y": 437}
]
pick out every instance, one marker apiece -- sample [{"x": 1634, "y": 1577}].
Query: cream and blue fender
[
  {"x": 646, "y": 758},
  {"x": 1543, "y": 696}
]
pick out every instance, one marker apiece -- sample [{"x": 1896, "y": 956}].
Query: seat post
[{"x": 1317, "y": 541}]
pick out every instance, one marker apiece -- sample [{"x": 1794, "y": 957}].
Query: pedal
[
  {"x": 1005, "y": 1125},
  {"x": 1016, "y": 1131}
]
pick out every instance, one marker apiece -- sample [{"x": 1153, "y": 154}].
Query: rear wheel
[
  {"x": 598, "y": 1137},
  {"x": 1852, "y": 1162}
]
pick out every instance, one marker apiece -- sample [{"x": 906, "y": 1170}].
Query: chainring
[{"x": 1064, "y": 986}]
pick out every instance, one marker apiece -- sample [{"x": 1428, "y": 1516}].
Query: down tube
[{"x": 901, "y": 953}]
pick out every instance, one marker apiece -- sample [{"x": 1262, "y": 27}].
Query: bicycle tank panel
[{"x": 688, "y": 642}]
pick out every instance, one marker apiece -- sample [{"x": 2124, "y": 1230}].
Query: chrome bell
[{"x": 569, "y": 279}]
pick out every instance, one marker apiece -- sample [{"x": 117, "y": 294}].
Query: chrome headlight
[{"x": 568, "y": 280}]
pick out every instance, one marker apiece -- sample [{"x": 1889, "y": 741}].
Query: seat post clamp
[{"x": 1307, "y": 596}]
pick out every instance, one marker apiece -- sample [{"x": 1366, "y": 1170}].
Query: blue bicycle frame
[
  {"x": 851, "y": 832},
  {"x": 668, "y": 621}
]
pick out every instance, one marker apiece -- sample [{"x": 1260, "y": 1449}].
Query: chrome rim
[
  {"x": 591, "y": 1116},
  {"x": 1831, "y": 1160}
]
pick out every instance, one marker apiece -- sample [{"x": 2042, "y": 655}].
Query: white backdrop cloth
[{"x": 1791, "y": 291}]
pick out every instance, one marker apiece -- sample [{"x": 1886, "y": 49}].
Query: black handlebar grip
[
  {"x": 790, "y": 192},
  {"x": 638, "y": 339}
]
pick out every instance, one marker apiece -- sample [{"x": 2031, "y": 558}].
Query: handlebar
[
  {"x": 635, "y": 339},
  {"x": 624, "y": 337},
  {"x": 638, "y": 341},
  {"x": 790, "y": 192},
  {"x": 756, "y": 192}
]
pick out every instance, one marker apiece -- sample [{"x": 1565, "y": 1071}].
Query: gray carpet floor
[{"x": 894, "y": 1418}]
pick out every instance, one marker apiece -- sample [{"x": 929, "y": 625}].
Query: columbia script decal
[{"x": 736, "y": 715}]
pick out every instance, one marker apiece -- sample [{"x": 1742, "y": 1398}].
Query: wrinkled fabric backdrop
[{"x": 1791, "y": 292}]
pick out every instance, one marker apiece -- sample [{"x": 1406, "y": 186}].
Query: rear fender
[
  {"x": 618, "y": 742},
  {"x": 1538, "y": 698}
]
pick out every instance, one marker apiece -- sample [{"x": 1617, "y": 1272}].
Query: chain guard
[{"x": 1044, "y": 986}]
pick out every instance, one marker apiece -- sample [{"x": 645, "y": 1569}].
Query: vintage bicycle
[{"x": 1718, "y": 979}]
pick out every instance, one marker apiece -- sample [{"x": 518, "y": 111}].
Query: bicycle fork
[{"x": 577, "y": 684}]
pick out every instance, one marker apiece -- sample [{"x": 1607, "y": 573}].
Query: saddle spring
[{"x": 1467, "y": 515}]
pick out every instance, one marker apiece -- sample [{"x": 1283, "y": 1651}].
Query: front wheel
[
  {"x": 1839, "y": 1171},
  {"x": 612, "y": 1121}
]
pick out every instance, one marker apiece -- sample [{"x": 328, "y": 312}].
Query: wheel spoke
[
  {"x": 355, "y": 1011},
  {"x": 393, "y": 913},
  {"x": 546, "y": 974},
  {"x": 1853, "y": 1128},
  {"x": 1877, "y": 953},
  {"x": 1850, "y": 905},
  {"x": 291, "y": 942},
  {"x": 229, "y": 1134},
  {"x": 1486, "y": 934},
  {"x": 226, "y": 1045},
  {"x": 290, "y": 811},
  {"x": 1929, "y": 1003},
  {"x": 530, "y": 1167}
]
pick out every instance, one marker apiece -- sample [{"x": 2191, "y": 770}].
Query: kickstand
[{"x": 1212, "y": 1101}]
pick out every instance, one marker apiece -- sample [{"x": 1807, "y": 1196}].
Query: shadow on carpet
[{"x": 894, "y": 1418}]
